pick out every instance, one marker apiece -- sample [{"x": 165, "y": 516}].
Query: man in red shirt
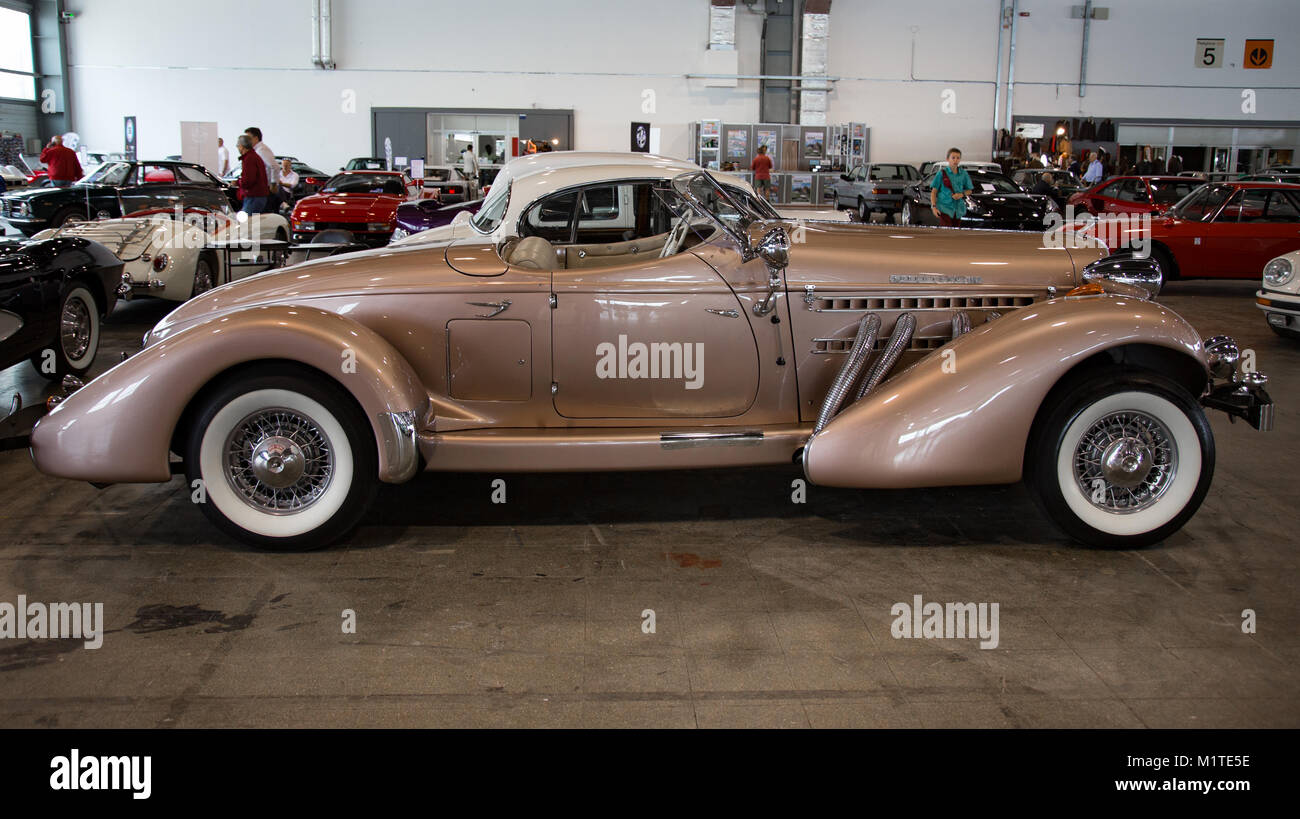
[
  {"x": 253, "y": 187},
  {"x": 762, "y": 168},
  {"x": 61, "y": 163}
]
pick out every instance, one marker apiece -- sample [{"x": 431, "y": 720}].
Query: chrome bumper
[
  {"x": 1239, "y": 394},
  {"x": 401, "y": 455}
]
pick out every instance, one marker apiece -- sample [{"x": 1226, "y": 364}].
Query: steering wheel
[{"x": 676, "y": 237}]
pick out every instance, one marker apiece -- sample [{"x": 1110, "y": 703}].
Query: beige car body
[{"x": 463, "y": 361}]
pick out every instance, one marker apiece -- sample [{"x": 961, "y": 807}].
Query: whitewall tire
[
  {"x": 1121, "y": 458},
  {"x": 286, "y": 460}
]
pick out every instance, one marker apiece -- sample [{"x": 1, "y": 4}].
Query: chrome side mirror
[
  {"x": 1144, "y": 274},
  {"x": 774, "y": 250}
]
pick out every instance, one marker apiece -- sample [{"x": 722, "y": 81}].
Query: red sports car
[
  {"x": 1228, "y": 230},
  {"x": 360, "y": 203},
  {"x": 1134, "y": 194}
]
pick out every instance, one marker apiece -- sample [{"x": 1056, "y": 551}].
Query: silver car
[{"x": 872, "y": 188}]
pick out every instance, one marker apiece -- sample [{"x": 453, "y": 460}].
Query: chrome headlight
[
  {"x": 1144, "y": 274},
  {"x": 399, "y": 233},
  {"x": 1278, "y": 272},
  {"x": 22, "y": 209},
  {"x": 1222, "y": 354}
]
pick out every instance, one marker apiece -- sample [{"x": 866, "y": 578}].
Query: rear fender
[
  {"x": 962, "y": 415},
  {"x": 119, "y": 427}
]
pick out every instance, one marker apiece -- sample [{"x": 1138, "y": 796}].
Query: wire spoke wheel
[
  {"x": 1125, "y": 462},
  {"x": 278, "y": 461}
]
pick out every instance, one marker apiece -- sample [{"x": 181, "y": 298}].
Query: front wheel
[
  {"x": 864, "y": 212},
  {"x": 908, "y": 216},
  {"x": 287, "y": 462},
  {"x": 74, "y": 349},
  {"x": 1121, "y": 459}
]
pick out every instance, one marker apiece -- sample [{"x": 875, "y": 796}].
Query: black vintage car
[
  {"x": 995, "y": 202},
  {"x": 53, "y": 294},
  {"x": 115, "y": 189}
]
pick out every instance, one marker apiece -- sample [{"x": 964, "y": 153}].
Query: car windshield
[
  {"x": 1169, "y": 191},
  {"x": 110, "y": 173},
  {"x": 1201, "y": 204},
  {"x": 730, "y": 208},
  {"x": 992, "y": 183},
  {"x": 365, "y": 183},
  {"x": 489, "y": 216}
]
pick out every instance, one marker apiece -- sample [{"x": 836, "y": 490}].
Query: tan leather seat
[{"x": 533, "y": 252}]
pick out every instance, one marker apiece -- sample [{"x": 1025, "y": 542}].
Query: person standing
[
  {"x": 469, "y": 162},
  {"x": 253, "y": 185},
  {"x": 949, "y": 189},
  {"x": 60, "y": 163},
  {"x": 267, "y": 156},
  {"x": 223, "y": 158},
  {"x": 1095, "y": 173},
  {"x": 762, "y": 168}
]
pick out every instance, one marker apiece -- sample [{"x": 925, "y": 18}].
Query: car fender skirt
[
  {"x": 962, "y": 414},
  {"x": 119, "y": 427}
]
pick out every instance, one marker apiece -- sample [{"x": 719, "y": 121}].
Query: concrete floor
[{"x": 767, "y": 613}]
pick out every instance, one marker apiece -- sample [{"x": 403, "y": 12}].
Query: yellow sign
[{"x": 1259, "y": 54}]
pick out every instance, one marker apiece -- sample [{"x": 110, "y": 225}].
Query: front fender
[
  {"x": 118, "y": 428},
  {"x": 962, "y": 414}
]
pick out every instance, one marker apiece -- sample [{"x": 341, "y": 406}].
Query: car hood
[
  {"x": 833, "y": 254},
  {"x": 347, "y": 207}
]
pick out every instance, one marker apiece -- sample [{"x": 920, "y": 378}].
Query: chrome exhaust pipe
[
  {"x": 858, "y": 355},
  {"x": 898, "y": 341},
  {"x": 960, "y": 323}
]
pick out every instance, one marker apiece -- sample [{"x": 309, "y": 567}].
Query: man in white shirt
[
  {"x": 288, "y": 181},
  {"x": 223, "y": 158},
  {"x": 469, "y": 163},
  {"x": 1095, "y": 172}
]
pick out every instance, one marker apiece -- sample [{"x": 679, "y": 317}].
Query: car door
[
  {"x": 1131, "y": 197},
  {"x": 152, "y": 188},
  {"x": 650, "y": 337},
  {"x": 1267, "y": 226}
]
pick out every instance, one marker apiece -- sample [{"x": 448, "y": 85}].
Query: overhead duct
[
  {"x": 322, "y": 55},
  {"x": 814, "y": 61}
]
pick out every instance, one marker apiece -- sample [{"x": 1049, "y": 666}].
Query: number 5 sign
[{"x": 1209, "y": 53}]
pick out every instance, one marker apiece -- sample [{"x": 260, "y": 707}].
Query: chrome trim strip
[
  {"x": 684, "y": 440},
  {"x": 401, "y": 455},
  {"x": 951, "y": 297}
]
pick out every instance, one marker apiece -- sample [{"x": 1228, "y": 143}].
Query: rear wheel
[
  {"x": 205, "y": 274},
  {"x": 864, "y": 213},
  {"x": 1121, "y": 458},
  {"x": 65, "y": 215},
  {"x": 287, "y": 461}
]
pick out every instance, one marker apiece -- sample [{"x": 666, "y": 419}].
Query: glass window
[
  {"x": 16, "y": 55},
  {"x": 551, "y": 217},
  {"x": 156, "y": 174},
  {"x": 1262, "y": 205},
  {"x": 489, "y": 216},
  {"x": 188, "y": 174},
  {"x": 365, "y": 183},
  {"x": 1169, "y": 191},
  {"x": 1201, "y": 204},
  {"x": 110, "y": 173},
  {"x": 1133, "y": 190},
  {"x": 1112, "y": 190}
]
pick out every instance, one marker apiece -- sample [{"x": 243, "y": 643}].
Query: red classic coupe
[
  {"x": 1134, "y": 194},
  {"x": 361, "y": 204},
  {"x": 1228, "y": 230}
]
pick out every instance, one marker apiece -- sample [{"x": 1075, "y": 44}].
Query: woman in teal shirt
[{"x": 948, "y": 191}]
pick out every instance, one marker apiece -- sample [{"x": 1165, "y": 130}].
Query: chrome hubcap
[
  {"x": 1125, "y": 462},
  {"x": 74, "y": 329},
  {"x": 278, "y": 461},
  {"x": 202, "y": 278}
]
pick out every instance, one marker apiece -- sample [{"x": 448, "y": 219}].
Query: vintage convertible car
[
  {"x": 175, "y": 258},
  {"x": 1280, "y": 296},
  {"x": 874, "y": 356},
  {"x": 53, "y": 295}
]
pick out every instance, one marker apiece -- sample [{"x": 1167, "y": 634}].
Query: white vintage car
[
  {"x": 1280, "y": 296},
  {"x": 585, "y": 197},
  {"x": 176, "y": 256}
]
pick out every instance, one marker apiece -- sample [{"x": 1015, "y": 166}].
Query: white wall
[{"x": 244, "y": 62}]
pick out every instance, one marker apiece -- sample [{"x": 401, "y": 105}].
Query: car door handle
[
  {"x": 728, "y": 313},
  {"x": 498, "y": 307}
]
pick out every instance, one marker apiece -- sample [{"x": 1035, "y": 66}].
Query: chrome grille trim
[{"x": 857, "y": 303}]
